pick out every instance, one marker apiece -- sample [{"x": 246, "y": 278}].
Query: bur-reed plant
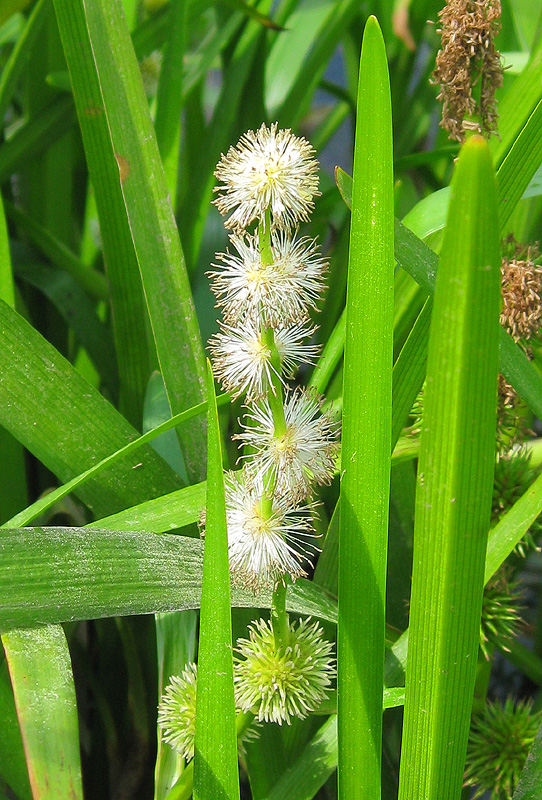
[{"x": 205, "y": 591}]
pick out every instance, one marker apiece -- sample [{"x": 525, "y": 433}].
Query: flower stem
[
  {"x": 279, "y": 618},
  {"x": 264, "y": 238},
  {"x": 274, "y": 395}
]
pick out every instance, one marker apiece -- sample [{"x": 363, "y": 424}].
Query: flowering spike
[
  {"x": 282, "y": 292},
  {"x": 242, "y": 359},
  {"x": 264, "y": 547},
  {"x": 268, "y": 169},
  {"x": 304, "y": 454}
]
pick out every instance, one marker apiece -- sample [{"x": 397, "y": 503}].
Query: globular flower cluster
[
  {"x": 177, "y": 715},
  {"x": 499, "y": 743},
  {"x": 280, "y": 684},
  {"x": 269, "y": 169},
  {"x": 267, "y": 285},
  {"x": 177, "y": 712}
]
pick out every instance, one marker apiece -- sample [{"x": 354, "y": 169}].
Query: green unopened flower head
[
  {"x": 177, "y": 712},
  {"x": 277, "y": 684},
  {"x": 499, "y": 743},
  {"x": 501, "y": 613},
  {"x": 177, "y": 715}
]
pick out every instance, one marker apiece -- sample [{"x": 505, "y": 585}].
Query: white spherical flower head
[
  {"x": 268, "y": 169},
  {"x": 304, "y": 454},
  {"x": 278, "y": 684},
  {"x": 242, "y": 359},
  {"x": 262, "y": 547},
  {"x": 177, "y": 712},
  {"x": 282, "y": 292}
]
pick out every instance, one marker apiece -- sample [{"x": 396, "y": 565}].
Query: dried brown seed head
[{"x": 468, "y": 59}]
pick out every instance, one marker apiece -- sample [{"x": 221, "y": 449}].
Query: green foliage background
[{"x": 114, "y": 115}]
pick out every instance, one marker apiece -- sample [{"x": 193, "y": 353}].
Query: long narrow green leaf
[
  {"x": 134, "y": 354},
  {"x": 17, "y": 60},
  {"x": 51, "y": 575},
  {"x": 421, "y": 262},
  {"x": 32, "y": 140},
  {"x": 57, "y": 252},
  {"x": 169, "y": 98},
  {"x": 13, "y": 495},
  {"x": 530, "y": 783},
  {"x": 68, "y": 425},
  {"x": 129, "y": 147},
  {"x": 311, "y": 770},
  {"x": 163, "y": 514},
  {"x": 182, "y": 503},
  {"x": 318, "y": 760},
  {"x": 44, "y": 503},
  {"x": 79, "y": 313},
  {"x": 502, "y": 539},
  {"x": 216, "y": 773},
  {"x": 331, "y": 355},
  {"x": 455, "y": 475},
  {"x": 366, "y": 443},
  {"x": 409, "y": 371},
  {"x": 517, "y": 107},
  {"x": 13, "y": 771},
  {"x": 40, "y": 669},
  {"x": 13, "y": 491}
]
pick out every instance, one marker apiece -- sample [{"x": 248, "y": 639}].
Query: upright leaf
[
  {"x": 40, "y": 669},
  {"x": 216, "y": 773},
  {"x": 530, "y": 782},
  {"x": 138, "y": 226},
  {"x": 455, "y": 476},
  {"x": 366, "y": 445}
]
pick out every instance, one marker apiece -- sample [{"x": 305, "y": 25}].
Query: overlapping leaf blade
[{"x": 455, "y": 478}]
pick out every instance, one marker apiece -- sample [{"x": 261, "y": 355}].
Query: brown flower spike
[
  {"x": 468, "y": 57},
  {"x": 521, "y": 286}
]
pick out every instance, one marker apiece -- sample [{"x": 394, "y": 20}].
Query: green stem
[
  {"x": 279, "y": 618},
  {"x": 275, "y": 395},
  {"x": 264, "y": 238}
]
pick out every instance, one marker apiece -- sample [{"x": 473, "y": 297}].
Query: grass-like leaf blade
[
  {"x": 69, "y": 574},
  {"x": 530, "y": 782},
  {"x": 216, "y": 773},
  {"x": 455, "y": 477},
  {"x": 366, "y": 441},
  {"x": 68, "y": 425},
  {"x": 421, "y": 262},
  {"x": 41, "y": 674}
]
